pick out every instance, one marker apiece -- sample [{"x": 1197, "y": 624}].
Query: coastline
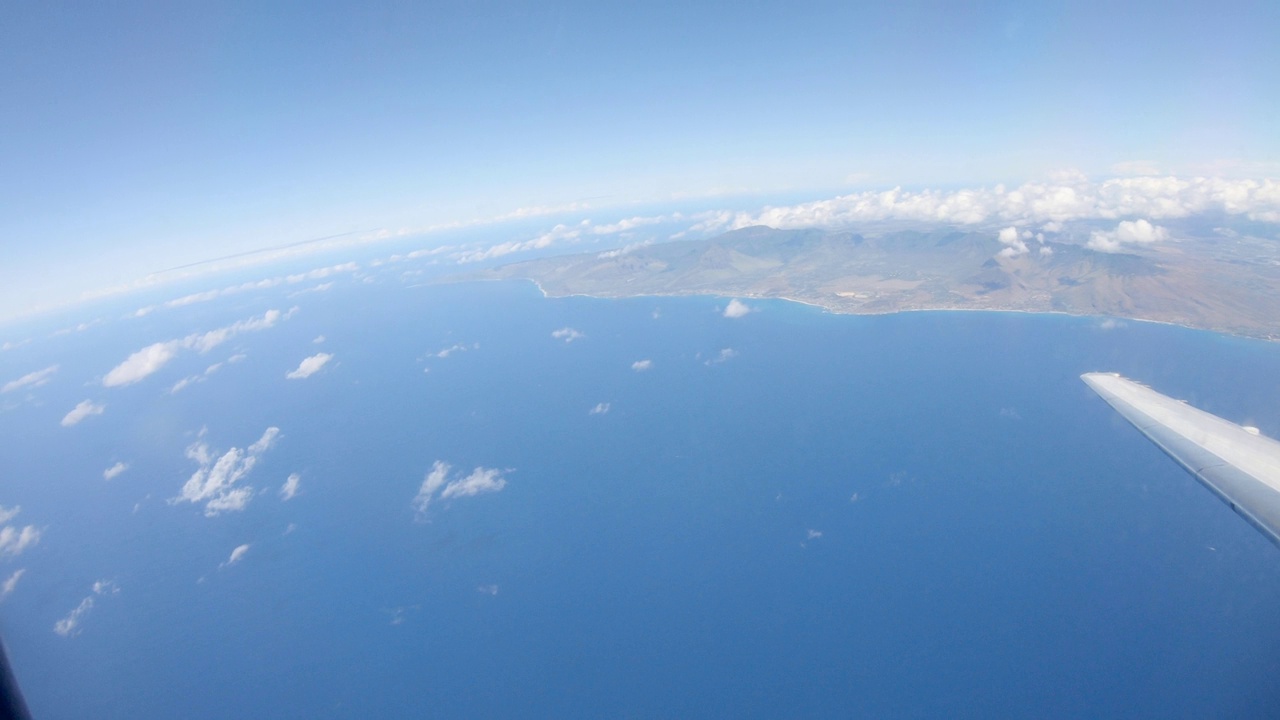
[{"x": 838, "y": 311}]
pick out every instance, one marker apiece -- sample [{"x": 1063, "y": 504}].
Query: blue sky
[{"x": 145, "y": 136}]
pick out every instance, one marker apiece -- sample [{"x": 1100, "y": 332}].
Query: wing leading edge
[{"x": 1236, "y": 463}]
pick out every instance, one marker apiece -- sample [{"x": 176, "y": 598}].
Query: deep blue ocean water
[{"x": 1014, "y": 548}]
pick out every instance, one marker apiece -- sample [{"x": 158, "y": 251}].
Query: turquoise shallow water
[{"x": 1013, "y": 549}]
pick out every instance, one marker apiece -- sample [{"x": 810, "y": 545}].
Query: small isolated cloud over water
[
  {"x": 310, "y": 366},
  {"x": 30, "y": 380},
  {"x": 85, "y": 409},
  {"x": 15, "y": 540},
  {"x": 236, "y": 556},
  {"x": 7, "y": 587},
  {"x": 215, "y": 482},
  {"x": 69, "y": 626},
  {"x": 438, "y": 485},
  {"x": 151, "y": 358},
  {"x": 642, "y": 365},
  {"x": 567, "y": 334},
  {"x": 725, "y": 355},
  {"x": 599, "y": 409},
  {"x": 114, "y": 471},
  {"x": 290, "y": 488},
  {"x": 737, "y": 309}
]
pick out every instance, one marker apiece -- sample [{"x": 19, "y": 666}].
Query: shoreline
[{"x": 834, "y": 311}]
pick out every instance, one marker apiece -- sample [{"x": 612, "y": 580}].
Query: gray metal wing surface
[{"x": 1237, "y": 463}]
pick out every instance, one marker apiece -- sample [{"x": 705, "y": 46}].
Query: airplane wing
[{"x": 1239, "y": 465}]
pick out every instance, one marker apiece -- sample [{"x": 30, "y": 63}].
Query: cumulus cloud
[
  {"x": 456, "y": 348},
  {"x": 1014, "y": 245},
  {"x": 290, "y": 488},
  {"x": 114, "y": 471},
  {"x": 30, "y": 380},
  {"x": 67, "y": 626},
  {"x": 725, "y": 355},
  {"x": 14, "y": 540},
  {"x": 558, "y": 234},
  {"x": 6, "y": 587},
  {"x": 1070, "y": 196},
  {"x": 434, "y": 480},
  {"x": 82, "y": 411},
  {"x": 624, "y": 250},
  {"x": 7, "y": 514},
  {"x": 184, "y": 382},
  {"x": 567, "y": 334},
  {"x": 736, "y": 309},
  {"x": 1128, "y": 232},
  {"x": 641, "y": 365},
  {"x": 481, "y": 480},
  {"x": 310, "y": 366},
  {"x": 215, "y": 482},
  {"x": 70, "y": 625},
  {"x": 599, "y": 409},
  {"x": 236, "y": 555},
  {"x": 151, "y": 358}
]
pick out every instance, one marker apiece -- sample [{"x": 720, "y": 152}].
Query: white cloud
[
  {"x": 599, "y": 409},
  {"x": 736, "y": 309},
  {"x": 310, "y": 366},
  {"x": 487, "y": 590},
  {"x": 725, "y": 355},
  {"x": 457, "y": 348},
  {"x": 319, "y": 339},
  {"x": 567, "y": 334},
  {"x": 30, "y": 380},
  {"x": 151, "y": 358},
  {"x": 14, "y": 541},
  {"x": 430, "y": 484},
  {"x": 290, "y": 488},
  {"x": 1138, "y": 232},
  {"x": 82, "y": 411},
  {"x": 641, "y": 365},
  {"x": 236, "y": 555},
  {"x": 214, "y": 483},
  {"x": 1111, "y": 324},
  {"x": 69, "y": 625},
  {"x": 265, "y": 442},
  {"x": 481, "y": 480},
  {"x": 184, "y": 382},
  {"x": 1014, "y": 244},
  {"x": 1070, "y": 196},
  {"x": 556, "y": 235},
  {"x": 6, "y": 588},
  {"x": 66, "y": 627},
  {"x": 7, "y": 514},
  {"x": 814, "y": 534},
  {"x": 142, "y": 363},
  {"x": 624, "y": 250},
  {"x": 114, "y": 471}
]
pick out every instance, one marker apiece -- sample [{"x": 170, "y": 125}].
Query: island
[{"x": 1225, "y": 285}]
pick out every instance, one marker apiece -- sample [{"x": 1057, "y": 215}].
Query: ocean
[{"x": 785, "y": 514}]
